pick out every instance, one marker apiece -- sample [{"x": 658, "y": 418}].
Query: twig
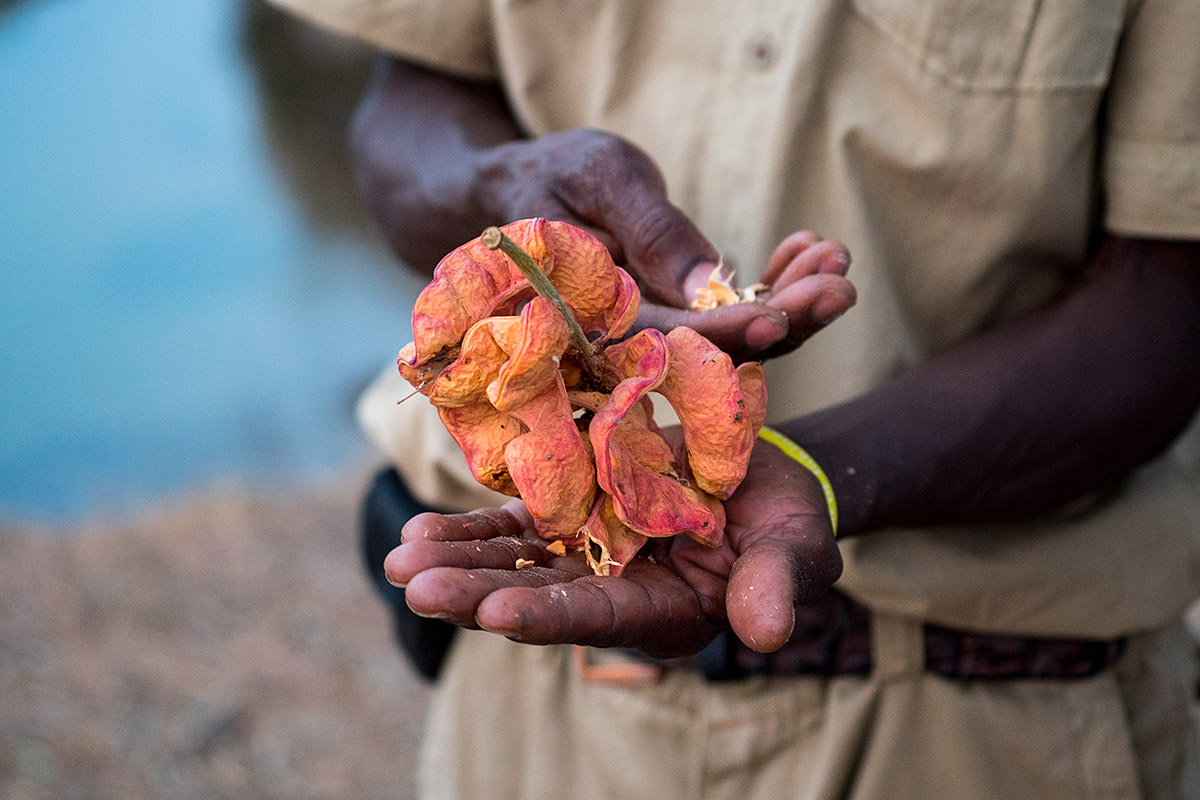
[{"x": 495, "y": 239}]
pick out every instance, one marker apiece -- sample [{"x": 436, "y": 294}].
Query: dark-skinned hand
[
  {"x": 672, "y": 599},
  {"x": 610, "y": 188}
]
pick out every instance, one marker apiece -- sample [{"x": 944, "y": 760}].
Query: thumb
[
  {"x": 663, "y": 249},
  {"x": 775, "y": 574}
]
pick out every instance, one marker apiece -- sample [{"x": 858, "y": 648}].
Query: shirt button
[{"x": 761, "y": 52}]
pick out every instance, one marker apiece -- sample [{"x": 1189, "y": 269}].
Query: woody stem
[{"x": 495, "y": 239}]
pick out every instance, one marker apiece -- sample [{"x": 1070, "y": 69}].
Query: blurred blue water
[{"x": 168, "y": 316}]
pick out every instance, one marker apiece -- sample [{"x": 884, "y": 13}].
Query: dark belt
[{"x": 833, "y": 637}]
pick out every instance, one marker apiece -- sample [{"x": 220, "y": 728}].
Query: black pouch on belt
[{"x": 387, "y": 506}]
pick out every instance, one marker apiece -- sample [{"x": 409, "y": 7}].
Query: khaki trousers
[{"x": 516, "y": 721}]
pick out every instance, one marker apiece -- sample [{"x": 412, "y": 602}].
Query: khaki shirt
[{"x": 965, "y": 151}]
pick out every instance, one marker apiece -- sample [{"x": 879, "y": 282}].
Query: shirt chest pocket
[{"x": 1002, "y": 45}]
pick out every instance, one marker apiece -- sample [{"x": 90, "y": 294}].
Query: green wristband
[{"x": 801, "y": 457}]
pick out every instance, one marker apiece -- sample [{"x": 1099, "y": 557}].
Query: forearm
[
  {"x": 1030, "y": 416},
  {"x": 415, "y": 140}
]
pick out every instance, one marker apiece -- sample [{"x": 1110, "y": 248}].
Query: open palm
[{"x": 672, "y": 600}]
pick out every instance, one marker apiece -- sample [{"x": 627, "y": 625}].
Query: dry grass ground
[{"x": 225, "y": 646}]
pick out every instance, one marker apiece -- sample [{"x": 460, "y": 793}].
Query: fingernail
[
  {"x": 392, "y": 570},
  {"x": 764, "y": 331}
]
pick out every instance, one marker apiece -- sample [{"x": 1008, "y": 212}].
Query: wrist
[
  {"x": 851, "y": 470},
  {"x": 804, "y": 459}
]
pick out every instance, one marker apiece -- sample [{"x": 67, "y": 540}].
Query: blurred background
[{"x": 191, "y": 298}]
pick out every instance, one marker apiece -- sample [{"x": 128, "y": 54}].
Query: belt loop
[{"x": 897, "y": 646}]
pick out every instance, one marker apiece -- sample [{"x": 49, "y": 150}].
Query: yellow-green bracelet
[{"x": 801, "y": 457}]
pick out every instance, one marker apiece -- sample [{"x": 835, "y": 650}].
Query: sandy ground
[{"x": 222, "y": 646}]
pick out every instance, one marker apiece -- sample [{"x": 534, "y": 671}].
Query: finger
[
  {"x": 760, "y": 600},
  {"x": 511, "y": 519},
  {"x": 659, "y": 616},
  {"x": 813, "y": 302},
  {"x": 824, "y": 257},
  {"x": 743, "y": 330},
  {"x": 453, "y": 594},
  {"x": 774, "y": 575},
  {"x": 406, "y": 561},
  {"x": 787, "y": 250}
]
